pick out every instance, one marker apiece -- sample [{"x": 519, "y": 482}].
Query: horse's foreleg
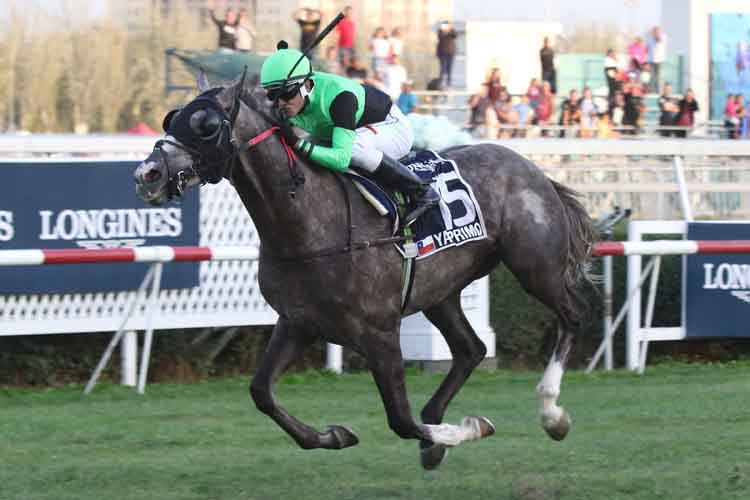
[
  {"x": 386, "y": 364},
  {"x": 467, "y": 351},
  {"x": 283, "y": 348},
  {"x": 555, "y": 419}
]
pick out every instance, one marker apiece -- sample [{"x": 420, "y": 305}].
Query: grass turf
[{"x": 679, "y": 432}]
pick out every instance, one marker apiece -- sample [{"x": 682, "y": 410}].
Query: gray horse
[{"x": 323, "y": 273}]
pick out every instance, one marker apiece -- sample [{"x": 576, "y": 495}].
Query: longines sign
[
  {"x": 716, "y": 287},
  {"x": 87, "y": 205}
]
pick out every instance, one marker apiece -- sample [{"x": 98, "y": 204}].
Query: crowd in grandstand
[{"x": 621, "y": 109}]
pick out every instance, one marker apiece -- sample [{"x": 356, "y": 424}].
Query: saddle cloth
[{"x": 456, "y": 220}]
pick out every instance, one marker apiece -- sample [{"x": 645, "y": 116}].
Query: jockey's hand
[
  {"x": 287, "y": 132},
  {"x": 285, "y": 129}
]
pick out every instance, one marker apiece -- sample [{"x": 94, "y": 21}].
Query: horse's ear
[
  {"x": 241, "y": 84},
  {"x": 203, "y": 84},
  {"x": 238, "y": 92}
]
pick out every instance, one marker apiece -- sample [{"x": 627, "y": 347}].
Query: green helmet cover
[{"x": 275, "y": 69}]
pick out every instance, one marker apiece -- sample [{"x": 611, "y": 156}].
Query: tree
[{"x": 590, "y": 38}]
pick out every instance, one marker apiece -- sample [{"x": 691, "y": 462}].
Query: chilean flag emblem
[{"x": 425, "y": 246}]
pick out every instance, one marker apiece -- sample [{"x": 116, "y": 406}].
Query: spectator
[
  {"x": 611, "y": 71},
  {"x": 407, "y": 101},
  {"x": 507, "y": 116},
  {"x": 731, "y": 120},
  {"x": 525, "y": 114},
  {"x": 356, "y": 69},
  {"x": 245, "y": 32},
  {"x": 394, "y": 75},
  {"x": 493, "y": 76},
  {"x": 547, "y": 58},
  {"x": 603, "y": 127},
  {"x": 309, "y": 25},
  {"x": 533, "y": 92},
  {"x": 478, "y": 104},
  {"x": 375, "y": 80},
  {"x": 489, "y": 107},
  {"x": 617, "y": 112},
  {"x": 589, "y": 114},
  {"x": 688, "y": 107},
  {"x": 645, "y": 78},
  {"x": 446, "y": 51},
  {"x": 669, "y": 107},
  {"x": 347, "y": 31},
  {"x": 657, "y": 55},
  {"x": 638, "y": 53},
  {"x": 633, "y": 92},
  {"x": 380, "y": 48},
  {"x": 330, "y": 63},
  {"x": 227, "y": 29},
  {"x": 742, "y": 115},
  {"x": 545, "y": 107},
  {"x": 396, "y": 43},
  {"x": 570, "y": 114}
]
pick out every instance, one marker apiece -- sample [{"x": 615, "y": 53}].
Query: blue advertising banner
[
  {"x": 716, "y": 287},
  {"x": 730, "y": 61},
  {"x": 87, "y": 205}
]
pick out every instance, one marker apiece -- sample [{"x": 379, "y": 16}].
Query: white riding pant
[{"x": 393, "y": 137}]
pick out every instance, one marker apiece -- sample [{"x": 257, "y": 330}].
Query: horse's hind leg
[
  {"x": 467, "y": 351},
  {"x": 544, "y": 278},
  {"x": 283, "y": 348},
  {"x": 555, "y": 419}
]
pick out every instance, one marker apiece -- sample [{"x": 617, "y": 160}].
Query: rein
[{"x": 297, "y": 177}]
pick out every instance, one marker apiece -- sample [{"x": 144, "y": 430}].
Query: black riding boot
[{"x": 395, "y": 175}]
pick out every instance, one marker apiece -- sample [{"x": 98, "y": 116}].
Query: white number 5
[{"x": 447, "y": 197}]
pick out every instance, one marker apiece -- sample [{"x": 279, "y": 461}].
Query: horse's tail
[{"x": 581, "y": 236}]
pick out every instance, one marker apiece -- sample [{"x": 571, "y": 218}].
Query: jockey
[{"x": 361, "y": 124}]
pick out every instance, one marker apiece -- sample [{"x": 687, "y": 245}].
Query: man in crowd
[
  {"x": 570, "y": 114},
  {"x": 347, "y": 31},
  {"x": 547, "y": 58},
  {"x": 407, "y": 101},
  {"x": 227, "y": 29},
  {"x": 446, "y": 51},
  {"x": 394, "y": 75},
  {"x": 657, "y": 54},
  {"x": 309, "y": 25}
]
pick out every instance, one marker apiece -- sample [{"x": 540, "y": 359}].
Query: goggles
[{"x": 284, "y": 92}]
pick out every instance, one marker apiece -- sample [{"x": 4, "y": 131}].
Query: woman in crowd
[
  {"x": 380, "y": 48},
  {"x": 688, "y": 107},
  {"x": 545, "y": 107}
]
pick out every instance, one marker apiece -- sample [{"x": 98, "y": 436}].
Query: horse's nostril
[{"x": 152, "y": 175}]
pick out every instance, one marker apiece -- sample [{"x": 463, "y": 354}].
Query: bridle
[{"x": 214, "y": 157}]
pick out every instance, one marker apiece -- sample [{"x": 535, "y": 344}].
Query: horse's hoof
[
  {"x": 340, "y": 437},
  {"x": 431, "y": 455},
  {"x": 482, "y": 426},
  {"x": 558, "y": 429}
]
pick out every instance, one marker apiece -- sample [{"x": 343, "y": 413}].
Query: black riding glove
[{"x": 286, "y": 131}]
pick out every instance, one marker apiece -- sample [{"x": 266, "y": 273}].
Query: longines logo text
[
  {"x": 725, "y": 276},
  {"x": 101, "y": 227}
]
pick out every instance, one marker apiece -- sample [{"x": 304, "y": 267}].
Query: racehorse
[{"x": 329, "y": 270}]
